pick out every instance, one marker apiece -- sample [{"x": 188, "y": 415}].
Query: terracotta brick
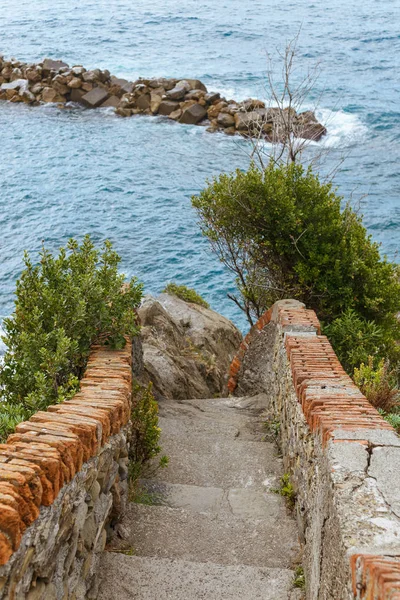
[
  {"x": 10, "y": 524},
  {"x": 28, "y": 511},
  {"x": 6, "y": 549},
  {"x": 61, "y": 445}
]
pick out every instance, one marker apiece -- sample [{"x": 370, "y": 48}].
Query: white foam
[{"x": 344, "y": 129}]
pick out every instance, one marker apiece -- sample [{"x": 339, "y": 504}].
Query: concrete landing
[{"x": 215, "y": 529}]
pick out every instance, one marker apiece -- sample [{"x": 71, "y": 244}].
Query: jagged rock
[
  {"x": 49, "y": 94},
  {"x": 95, "y": 97},
  {"x": 123, "y": 112},
  {"x": 312, "y": 131},
  {"x": 179, "y": 91},
  {"x": 75, "y": 83},
  {"x": 127, "y": 88},
  {"x": 252, "y": 104},
  {"x": 87, "y": 86},
  {"x": 195, "y": 95},
  {"x": 175, "y": 115},
  {"x": 187, "y": 349},
  {"x": 92, "y": 76},
  {"x": 193, "y": 114},
  {"x": 76, "y": 95},
  {"x": 155, "y": 101},
  {"x": 215, "y": 109},
  {"x": 112, "y": 101},
  {"x": 78, "y": 70},
  {"x": 245, "y": 121},
  {"x": 196, "y": 84},
  {"x": 212, "y": 97},
  {"x": 225, "y": 120},
  {"x": 167, "y": 107},
  {"x": 143, "y": 102},
  {"x": 16, "y": 74},
  {"x": 33, "y": 74},
  {"x": 53, "y": 65}
]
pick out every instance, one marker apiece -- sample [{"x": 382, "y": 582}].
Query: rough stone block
[{"x": 95, "y": 97}]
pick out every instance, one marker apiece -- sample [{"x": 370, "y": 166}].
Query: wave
[{"x": 344, "y": 129}]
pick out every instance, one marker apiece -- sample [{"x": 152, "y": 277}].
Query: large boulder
[
  {"x": 193, "y": 114},
  {"x": 179, "y": 91},
  {"x": 166, "y": 107},
  {"x": 53, "y": 65},
  {"x": 95, "y": 97},
  {"x": 187, "y": 349}
]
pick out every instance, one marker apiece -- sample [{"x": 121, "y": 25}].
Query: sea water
[{"x": 65, "y": 173}]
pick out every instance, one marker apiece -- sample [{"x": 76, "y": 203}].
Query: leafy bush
[
  {"x": 63, "y": 305},
  {"x": 185, "y": 293},
  {"x": 145, "y": 443},
  {"x": 378, "y": 384},
  {"x": 283, "y": 233},
  {"x": 355, "y": 339}
]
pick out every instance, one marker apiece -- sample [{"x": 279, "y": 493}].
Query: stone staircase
[{"x": 214, "y": 529}]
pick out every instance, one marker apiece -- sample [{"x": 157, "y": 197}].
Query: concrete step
[
  {"x": 240, "y": 502},
  {"x": 204, "y": 459},
  {"x": 138, "y": 578},
  {"x": 223, "y": 538}
]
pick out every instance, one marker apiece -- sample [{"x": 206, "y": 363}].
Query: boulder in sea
[
  {"x": 49, "y": 94},
  {"x": 193, "y": 114},
  {"x": 196, "y": 84},
  {"x": 95, "y": 97},
  {"x": 179, "y": 91},
  {"x": 167, "y": 107},
  {"x": 143, "y": 102},
  {"x": 75, "y": 83},
  {"x": 112, "y": 101},
  {"x": 53, "y": 65},
  {"x": 225, "y": 120},
  {"x": 248, "y": 121},
  {"x": 212, "y": 97}
]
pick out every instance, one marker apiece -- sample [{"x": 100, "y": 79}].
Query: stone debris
[{"x": 184, "y": 100}]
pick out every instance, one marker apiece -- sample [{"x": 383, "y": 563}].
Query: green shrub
[
  {"x": 284, "y": 234},
  {"x": 378, "y": 384},
  {"x": 63, "y": 305},
  {"x": 355, "y": 339},
  {"x": 185, "y": 293},
  {"x": 146, "y": 432}
]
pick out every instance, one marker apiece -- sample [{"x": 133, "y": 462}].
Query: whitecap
[{"x": 343, "y": 128}]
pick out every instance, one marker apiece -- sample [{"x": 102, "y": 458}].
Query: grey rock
[
  {"x": 179, "y": 91},
  {"x": 53, "y": 65},
  {"x": 95, "y": 97},
  {"x": 225, "y": 120},
  {"x": 193, "y": 114},
  {"x": 76, "y": 95},
  {"x": 166, "y": 107},
  {"x": 212, "y": 97},
  {"x": 196, "y": 84},
  {"x": 112, "y": 101}
]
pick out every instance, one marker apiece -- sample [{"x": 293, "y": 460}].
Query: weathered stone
[
  {"x": 75, "y": 83},
  {"x": 92, "y": 76},
  {"x": 212, "y": 97},
  {"x": 49, "y": 94},
  {"x": 179, "y": 91},
  {"x": 95, "y": 97},
  {"x": 247, "y": 121},
  {"x": 16, "y": 74},
  {"x": 143, "y": 102},
  {"x": 112, "y": 101},
  {"x": 53, "y": 65},
  {"x": 196, "y": 84},
  {"x": 60, "y": 88},
  {"x": 193, "y": 114},
  {"x": 175, "y": 115},
  {"x": 225, "y": 120},
  {"x": 76, "y": 95},
  {"x": 215, "y": 109},
  {"x": 33, "y": 74},
  {"x": 252, "y": 104},
  {"x": 155, "y": 101},
  {"x": 230, "y": 131},
  {"x": 195, "y": 95},
  {"x": 123, "y": 112},
  {"x": 78, "y": 70},
  {"x": 166, "y": 107},
  {"x": 87, "y": 86}
]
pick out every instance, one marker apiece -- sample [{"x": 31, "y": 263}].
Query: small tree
[{"x": 284, "y": 235}]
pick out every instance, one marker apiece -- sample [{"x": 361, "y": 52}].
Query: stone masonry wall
[
  {"x": 63, "y": 485},
  {"x": 343, "y": 458}
]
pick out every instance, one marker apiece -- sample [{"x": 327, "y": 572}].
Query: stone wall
[
  {"x": 63, "y": 486},
  {"x": 341, "y": 455},
  {"x": 186, "y": 100}
]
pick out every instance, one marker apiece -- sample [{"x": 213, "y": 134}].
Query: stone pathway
[{"x": 217, "y": 532}]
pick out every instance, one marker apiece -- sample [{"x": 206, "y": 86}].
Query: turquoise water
[{"x": 67, "y": 172}]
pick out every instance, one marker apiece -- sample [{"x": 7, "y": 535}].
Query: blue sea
[{"x": 69, "y": 172}]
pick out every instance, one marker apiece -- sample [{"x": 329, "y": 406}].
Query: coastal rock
[
  {"x": 49, "y": 94},
  {"x": 225, "y": 120},
  {"x": 215, "y": 109},
  {"x": 92, "y": 76},
  {"x": 53, "y": 65},
  {"x": 75, "y": 83},
  {"x": 112, "y": 101},
  {"x": 187, "y": 349},
  {"x": 123, "y": 112},
  {"x": 246, "y": 121},
  {"x": 195, "y": 95},
  {"x": 167, "y": 107},
  {"x": 211, "y": 97},
  {"x": 76, "y": 95},
  {"x": 33, "y": 74},
  {"x": 196, "y": 84},
  {"x": 95, "y": 97},
  {"x": 312, "y": 131},
  {"x": 193, "y": 114},
  {"x": 78, "y": 70},
  {"x": 155, "y": 101},
  {"x": 16, "y": 74},
  {"x": 252, "y": 104},
  {"x": 143, "y": 102},
  {"x": 179, "y": 91},
  {"x": 175, "y": 115}
]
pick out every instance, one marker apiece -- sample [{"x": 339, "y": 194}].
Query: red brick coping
[
  {"x": 47, "y": 451},
  {"x": 330, "y": 400}
]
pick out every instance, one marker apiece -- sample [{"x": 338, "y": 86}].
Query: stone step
[
  {"x": 240, "y": 502},
  {"x": 204, "y": 459},
  {"x": 223, "y": 538},
  {"x": 138, "y": 578}
]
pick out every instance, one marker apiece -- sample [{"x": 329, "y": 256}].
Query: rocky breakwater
[{"x": 186, "y": 101}]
